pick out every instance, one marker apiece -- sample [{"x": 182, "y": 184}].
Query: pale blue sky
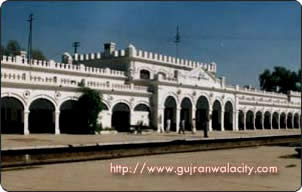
[{"x": 243, "y": 38}]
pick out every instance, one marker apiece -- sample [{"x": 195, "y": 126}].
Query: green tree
[
  {"x": 38, "y": 55},
  {"x": 12, "y": 48},
  {"x": 280, "y": 80},
  {"x": 89, "y": 106}
]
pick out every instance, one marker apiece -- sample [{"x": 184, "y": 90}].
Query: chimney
[{"x": 109, "y": 48}]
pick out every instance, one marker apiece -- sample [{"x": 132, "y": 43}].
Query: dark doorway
[
  {"x": 170, "y": 113},
  {"x": 121, "y": 117},
  {"x": 259, "y": 120},
  {"x": 216, "y": 116},
  {"x": 283, "y": 121},
  {"x": 69, "y": 118},
  {"x": 267, "y": 120},
  {"x": 11, "y": 116},
  {"x": 186, "y": 113},
  {"x": 41, "y": 117},
  {"x": 228, "y": 116},
  {"x": 241, "y": 120},
  {"x": 275, "y": 120},
  {"x": 202, "y": 111},
  {"x": 249, "y": 120}
]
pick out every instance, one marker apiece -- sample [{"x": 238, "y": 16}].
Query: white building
[{"x": 38, "y": 97}]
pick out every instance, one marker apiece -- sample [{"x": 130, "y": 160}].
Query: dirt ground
[
  {"x": 16, "y": 141},
  {"x": 96, "y": 175}
]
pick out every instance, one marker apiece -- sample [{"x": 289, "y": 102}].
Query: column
[
  {"x": 160, "y": 121},
  {"x": 235, "y": 120},
  {"x": 222, "y": 120},
  {"x": 57, "y": 120},
  {"x": 254, "y": 124},
  {"x": 244, "y": 120},
  {"x": 193, "y": 119},
  {"x": 210, "y": 121},
  {"x": 278, "y": 120},
  {"x": 26, "y": 114},
  {"x": 177, "y": 118},
  {"x": 262, "y": 120},
  {"x": 271, "y": 122}
]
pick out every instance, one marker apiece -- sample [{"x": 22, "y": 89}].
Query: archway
[
  {"x": 202, "y": 111},
  {"x": 267, "y": 120},
  {"x": 170, "y": 113},
  {"x": 143, "y": 113},
  {"x": 121, "y": 117},
  {"x": 289, "y": 120},
  {"x": 241, "y": 120},
  {"x": 228, "y": 116},
  {"x": 186, "y": 113},
  {"x": 41, "y": 116},
  {"x": 216, "y": 116},
  {"x": 69, "y": 118},
  {"x": 296, "y": 121},
  {"x": 275, "y": 120},
  {"x": 282, "y": 121},
  {"x": 259, "y": 120},
  {"x": 12, "y": 120},
  {"x": 249, "y": 120}
]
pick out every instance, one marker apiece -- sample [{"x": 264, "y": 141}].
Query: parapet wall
[
  {"x": 145, "y": 55},
  {"x": 52, "y": 65}
]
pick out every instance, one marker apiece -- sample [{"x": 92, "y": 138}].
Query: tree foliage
[
  {"x": 38, "y": 55},
  {"x": 89, "y": 106},
  {"x": 280, "y": 80},
  {"x": 12, "y": 48}
]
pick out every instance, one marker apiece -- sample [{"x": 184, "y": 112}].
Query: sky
[{"x": 242, "y": 38}]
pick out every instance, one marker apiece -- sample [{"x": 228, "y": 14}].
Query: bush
[{"x": 88, "y": 108}]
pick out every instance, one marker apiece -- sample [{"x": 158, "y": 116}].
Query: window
[{"x": 144, "y": 74}]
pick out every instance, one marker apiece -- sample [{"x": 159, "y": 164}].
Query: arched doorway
[
  {"x": 216, "y": 116},
  {"x": 228, "y": 116},
  {"x": 202, "y": 111},
  {"x": 259, "y": 120},
  {"x": 267, "y": 120},
  {"x": 241, "y": 120},
  {"x": 143, "y": 113},
  {"x": 121, "y": 117},
  {"x": 69, "y": 118},
  {"x": 289, "y": 120},
  {"x": 275, "y": 120},
  {"x": 41, "y": 116},
  {"x": 12, "y": 119},
  {"x": 296, "y": 121},
  {"x": 186, "y": 113},
  {"x": 170, "y": 113},
  {"x": 249, "y": 120},
  {"x": 282, "y": 121}
]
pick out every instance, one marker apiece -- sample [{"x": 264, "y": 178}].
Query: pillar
[
  {"x": 57, "y": 122},
  {"x": 222, "y": 120},
  {"x": 235, "y": 121},
  {"x": 26, "y": 115},
  {"x": 193, "y": 119},
  {"x": 263, "y": 120},
  {"x": 254, "y": 120},
  {"x": 177, "y": 118},
  {"x": 160, "y": 122},
  {"x": 285, "y": 122},
  {"x": 210, "y": 121},
  {"x": 244, "y": 120},
  {"x": 278, "y": 120}
]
